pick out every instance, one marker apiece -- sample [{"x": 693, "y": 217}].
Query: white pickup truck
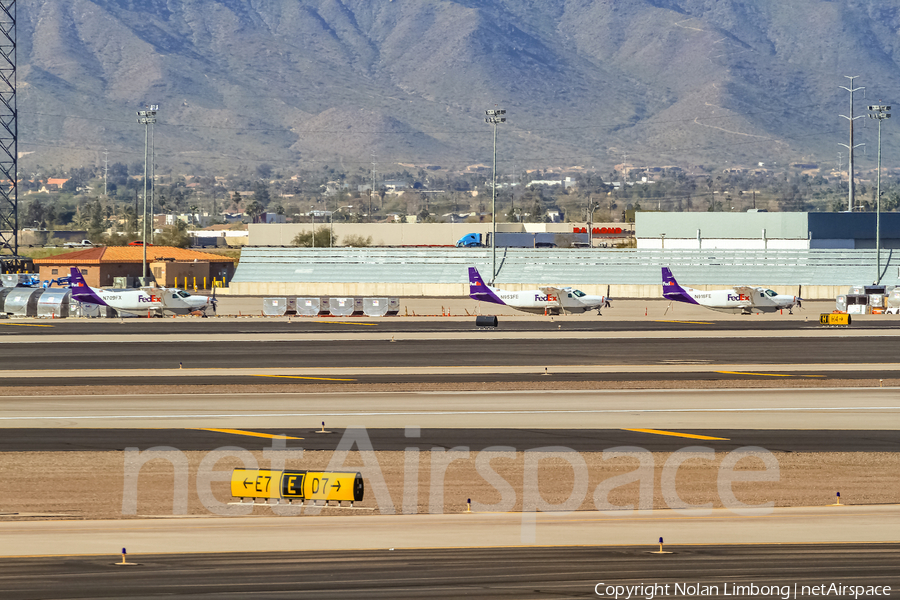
[{"x": 81, "y": 244}]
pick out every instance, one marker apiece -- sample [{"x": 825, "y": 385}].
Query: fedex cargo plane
[
  {"x": 156, "y": 301},
  {"x": 549, "y": 300},
  {"x": 739, "y": 299}
]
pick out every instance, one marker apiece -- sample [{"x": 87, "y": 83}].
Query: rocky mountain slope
[{"x": 347, "y": 82}]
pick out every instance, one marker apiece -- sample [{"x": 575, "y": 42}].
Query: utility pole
[
  {"x": 105, "y": 172},
  {"x": 494, "y": 117},
  {"x": 879, "y": 112},
  {"x": 9, "y": 139},
  {"x": 147, "y": 118},
  {"x": 372, "y": 191},
  {"x": 850, "y": 147}
]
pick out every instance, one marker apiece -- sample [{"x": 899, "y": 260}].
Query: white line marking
[{"x": 454, "y": 412}]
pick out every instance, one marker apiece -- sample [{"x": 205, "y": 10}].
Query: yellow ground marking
[
  {"x": 349, "y": 323},
  {"x": 766, "y": 374},
  {"x": 688, "y": 322},
  {"x": 300, "y": 377},
  {"x": 249, "y": 433},
  {"x": 25, "y": 325},
  {"x": 676, "y": 434}
]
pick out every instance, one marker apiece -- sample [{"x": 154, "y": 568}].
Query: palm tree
[{"x": 254, "y": 210}]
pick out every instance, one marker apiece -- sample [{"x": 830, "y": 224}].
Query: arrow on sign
[
  {"x": 247, "y": 482},
  {"x": 337, "y": 486}
]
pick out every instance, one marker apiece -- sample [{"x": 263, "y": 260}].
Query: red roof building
[{"x": 171, "y": 267}]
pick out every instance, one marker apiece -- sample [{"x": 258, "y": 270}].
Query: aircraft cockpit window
[
  {"x": 579, "y": 293},
  {"x": 183, "y": 294},
  {"x": 770, "y": 293}
]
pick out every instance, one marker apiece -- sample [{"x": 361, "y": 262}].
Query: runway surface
[
  {"x": 362, "y": 353},
  {"x": 764, "y": 409},
  {"x": 581, "y": 440},
  {"x": 117, "y": 327},
  {"x": 540, "y": 573}
]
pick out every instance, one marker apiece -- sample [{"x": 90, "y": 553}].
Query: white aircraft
[
  {"x": 155, "y": 301},
  {"x": 740, "y": 299},
  {"x": 545, "y": 300}
]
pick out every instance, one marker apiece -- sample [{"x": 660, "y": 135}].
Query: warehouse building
[
  {"x": 764, "y": 231},
  {"x": 121, "y": 266}
]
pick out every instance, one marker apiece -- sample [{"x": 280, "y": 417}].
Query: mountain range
[{"x": 306, "y": 84}]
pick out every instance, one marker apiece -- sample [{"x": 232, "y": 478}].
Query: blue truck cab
[{"x": 470, "y": 240}]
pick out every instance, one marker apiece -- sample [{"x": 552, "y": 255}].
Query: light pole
[
  {"x": 147, "y": 118},
  {"x": 494, "y": 117},
  {"x": 879, "y": 112},
  {"x": 592, "y": 206},
  {"x": 312, "y": 216},
  {"x": 155, "y": 109},
  {"x": 331, "y": 235}
]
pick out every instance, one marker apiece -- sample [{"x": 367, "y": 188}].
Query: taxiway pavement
[
  {"x": 762, "y": 409},
  {"x": 539, "y": 573}
]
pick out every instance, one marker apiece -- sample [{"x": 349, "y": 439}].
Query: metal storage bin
[
  {"x": 307, "y": 307},
  {"x": 275, "y": 307},
  {"x": 54, "y": 303},
  {"x": 375, "y": 307},
  {"x": 22, "y": 302},
  {"x": 341, "y": 307}
]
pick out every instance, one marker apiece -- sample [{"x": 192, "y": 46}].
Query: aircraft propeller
[
  {"x": 212, "y": 301},
  {"x": 799, "y": 299}
]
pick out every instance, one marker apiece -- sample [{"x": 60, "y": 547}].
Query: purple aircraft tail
[
  {"x": 671, "y": 289},
  {"x": 479, "y": 290},
  {"x": 81, "y": 291}
]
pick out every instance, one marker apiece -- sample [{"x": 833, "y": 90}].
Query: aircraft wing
[
  {"x": 553, "y": 296},
  {"x": 746, "y": 293}
]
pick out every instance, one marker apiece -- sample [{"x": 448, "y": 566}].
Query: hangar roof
[
  {"x": 564, "y": 266},
  {"x": 130, "y": 254}
]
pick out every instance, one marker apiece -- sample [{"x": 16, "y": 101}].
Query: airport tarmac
[
  {"x": 538, "y": 572},
  {"x": 766, "y": 409},
  {"x": 812, "y": 525}
]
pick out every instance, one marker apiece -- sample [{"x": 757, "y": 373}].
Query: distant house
[
  {"x": 53, "y": 185},
  {"x": 395, "y": 184}
]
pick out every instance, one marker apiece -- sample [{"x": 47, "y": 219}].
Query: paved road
[
  {"x": 537, "y": 376},
  {"x": 42, "y": 327},
  {"x": 362, "y": 353},
  {"x": 783, "y": 409},
  {"x": 540, "y": 573},
  {"x": 581, "y": 440},
  {"x": 297, "y": 530}
]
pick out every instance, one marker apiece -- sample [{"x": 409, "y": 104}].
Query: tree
[
  {"x": 254, "y": 210},
  {"x": 35, "y": 214},
  {"x": 176, "y": 236},
  {"x": 95, "y": 226},
  {"x": 236, "y": 200},
  {"x": 357, "y": 241},
  {"x": 321, "y": 239},
  {"x": 264, "y": 170},
  {"x": 261, "y": 193}
]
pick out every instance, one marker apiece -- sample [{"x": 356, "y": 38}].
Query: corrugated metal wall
[{"x": 565, "y": 266}]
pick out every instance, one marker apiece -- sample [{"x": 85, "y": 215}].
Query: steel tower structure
[{"x": 9, "y": 155}]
